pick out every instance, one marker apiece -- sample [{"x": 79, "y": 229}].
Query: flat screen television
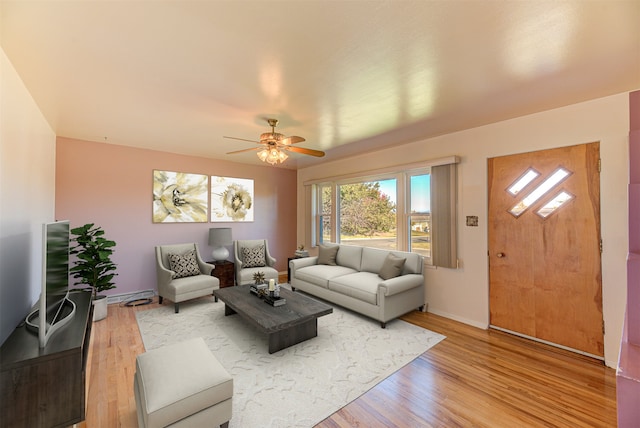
[{"x": 54, "y": 308}]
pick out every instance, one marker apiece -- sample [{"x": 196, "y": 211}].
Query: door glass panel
[
  {"x": 557, "y": 177},
  {"x": 559, "y": 200},
  {"x": 522, "y": 182}
]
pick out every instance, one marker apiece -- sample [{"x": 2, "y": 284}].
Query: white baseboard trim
[
  {"x": 125, "y": 297},
  {"x": 459, "y": 319}
]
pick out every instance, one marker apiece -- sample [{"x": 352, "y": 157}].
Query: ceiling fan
[{"x": 274, "y": 145}]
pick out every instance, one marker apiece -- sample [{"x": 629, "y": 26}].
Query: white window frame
[
  {"x": 407, "y": 210},
  {"x": 402, "y": 175}
]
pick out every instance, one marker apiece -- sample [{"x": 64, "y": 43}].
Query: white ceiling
[{"x": 347, "y": 76}]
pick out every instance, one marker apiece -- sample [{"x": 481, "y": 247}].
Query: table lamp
[{"x": 218, "y": 239}]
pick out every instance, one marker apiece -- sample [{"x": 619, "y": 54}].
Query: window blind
[{"x": 443, "y": 216}]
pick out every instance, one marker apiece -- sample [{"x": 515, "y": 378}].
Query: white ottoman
[{"x": 182, "y": 385}]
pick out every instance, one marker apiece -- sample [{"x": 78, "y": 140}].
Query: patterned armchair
[
  {"x": 182, "y": 275},
  {"x": 252, "y": 256}
]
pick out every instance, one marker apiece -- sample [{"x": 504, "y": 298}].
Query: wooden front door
[{"x": 545, "y": 276}]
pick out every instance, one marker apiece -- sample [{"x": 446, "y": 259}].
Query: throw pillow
[
  {"x": 327, "y": 254},
  {"x": 391, "y": 267},
  {"x": 184, "y": 264},
  {"x": 254, "y": 257}
]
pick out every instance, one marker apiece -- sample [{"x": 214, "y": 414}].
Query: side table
[{"x": 224, "y": 273}]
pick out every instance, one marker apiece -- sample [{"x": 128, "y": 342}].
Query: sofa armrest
[
  {"x": 401, "y": 283},
  {"x": 164, "y": 275},
  {"x": 269, "y": 259},
  {"x": 301, "y": 262},
  {"x": 206, "y": 268}
]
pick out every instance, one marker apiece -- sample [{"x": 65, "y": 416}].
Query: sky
[{"x": 420, "y": 192}]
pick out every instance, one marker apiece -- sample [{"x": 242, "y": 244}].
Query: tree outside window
[{"x": 367, "y": 214}]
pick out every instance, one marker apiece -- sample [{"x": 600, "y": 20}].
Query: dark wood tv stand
[{"x": 45, "y": 387}]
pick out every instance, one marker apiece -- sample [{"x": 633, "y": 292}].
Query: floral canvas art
[
  {"x": 179, "y": 197},
  {"x": 231, "y": 199}
]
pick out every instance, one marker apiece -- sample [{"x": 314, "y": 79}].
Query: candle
[{"x": 272, "y": 285}]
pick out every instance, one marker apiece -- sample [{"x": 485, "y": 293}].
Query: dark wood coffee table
[{"x": 286, "y": 325}]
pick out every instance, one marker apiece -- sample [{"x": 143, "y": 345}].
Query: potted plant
[{"x": 93, "y": 265}]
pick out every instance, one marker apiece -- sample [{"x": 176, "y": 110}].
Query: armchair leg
[
  {"x": 215, "y": 298},
  {"x": 383, "y": 324},
  {"x": 176, "y": 305},
  {"x": 160, "y": 299},
  {"x": 225, "y": 425}
]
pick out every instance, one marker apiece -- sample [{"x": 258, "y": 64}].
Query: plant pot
[{"x": 99, "y": 308}]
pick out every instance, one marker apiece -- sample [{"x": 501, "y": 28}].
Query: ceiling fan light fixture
[
  {"x": 262, "y": 154},
  {"x": 282, "y": 156},
  {"x": 272, "y": 155},
  {"x": 275, "y": 145}
]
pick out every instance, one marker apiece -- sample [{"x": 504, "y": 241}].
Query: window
[
  {"x": 419, "y": 215},
  {"x": 325, "y": 215},
  {"x": 411, "y": 209},
  {"x": 367, "y": 214}
]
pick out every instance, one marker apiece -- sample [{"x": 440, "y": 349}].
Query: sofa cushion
[
  {"x": 245, "y": 275},
  {"x": 184, "y": 265},
  {"x": 359, "y": 285},
  {"x": 373, "y": 259},
  {"x": 392, "y": 266},
  {"x": 321, "y": 274},
  {"x": 253, "y": 257},
  {"x": 414, "y": 263},
  {"x": 349, "y": 256},
  {"x": 327, "y": 254}
]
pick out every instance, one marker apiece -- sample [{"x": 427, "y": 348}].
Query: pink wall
[
  {"x": 628, "y": 373},
  {"x": 112, "y": 186}
]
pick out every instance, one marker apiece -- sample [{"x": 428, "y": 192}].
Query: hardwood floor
[{"x": 473, "y": 378}]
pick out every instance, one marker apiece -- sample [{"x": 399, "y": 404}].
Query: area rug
[{"x": 297, "y": 386}]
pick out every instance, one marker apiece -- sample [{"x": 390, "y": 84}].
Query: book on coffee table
[{"x": 275, "y": 301}]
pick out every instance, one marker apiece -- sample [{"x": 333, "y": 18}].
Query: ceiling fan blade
[
  {"x": 245, "y": 150},
  {"x": 291, "y": 140},
  {"x": 304, "y": 151},
  {"x": 242, "y": 139}
]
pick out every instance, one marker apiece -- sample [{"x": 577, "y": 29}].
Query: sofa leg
[
  {"x": 293, "y": 288},
  {"x": 160, "y": 299},
  {"x": 383, "y": 324},
  {"x": 215, "y": 298},
  {"x": 177, "y": 306},
  {"x": 225, "y": 425}
]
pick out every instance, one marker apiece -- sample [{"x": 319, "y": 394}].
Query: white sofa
[{"x": 355, "y": 279}]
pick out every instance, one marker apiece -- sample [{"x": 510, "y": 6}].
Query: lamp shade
[{"x": 218, "y": 238}]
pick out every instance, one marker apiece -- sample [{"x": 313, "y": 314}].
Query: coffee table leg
[
  {"x": 296, "y": 334},
  {"x": 228, "y": 310}
]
